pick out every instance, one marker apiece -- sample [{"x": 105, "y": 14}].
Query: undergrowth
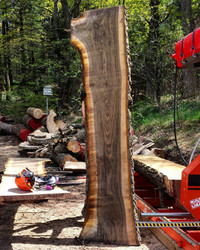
[
  {"x": 145, "y": 115},
  {"x": 146, "y": 119},
  {"x": 18, "y": 103}
]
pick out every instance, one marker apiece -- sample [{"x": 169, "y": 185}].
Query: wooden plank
[
  {"x": 15, "y": 165},
  {"x": 9, "y": 192},
  {"x": 161, "y": 172},
  {"x": 100, "y": 36},
  {"x": 75, "y": 166},
  {"x": 138, "y": 148}
]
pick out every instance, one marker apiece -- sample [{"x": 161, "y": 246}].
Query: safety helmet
[{"x": 25, "y": 180}]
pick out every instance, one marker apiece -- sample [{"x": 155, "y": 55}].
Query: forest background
[{"x": 35, "y": 51}]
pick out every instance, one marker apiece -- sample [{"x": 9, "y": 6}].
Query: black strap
[
  {"x": 192, "y": 46},
  {"x": 182, "y": 47},
  {"x": 175, "y": 83}
]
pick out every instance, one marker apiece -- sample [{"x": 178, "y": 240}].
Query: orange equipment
[
  {"x": 25, "y": 180},
  {"x": 190, "y": 188}
]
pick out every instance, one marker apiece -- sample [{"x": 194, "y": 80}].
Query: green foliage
[
  {"x": 35, "y": 50},
  {"x": 189, "y": 112},
  {"x": 21, "y": 100},
  {"x": 145, "y": 115}
]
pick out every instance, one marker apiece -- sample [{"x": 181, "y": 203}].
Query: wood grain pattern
[
  {"x": 163, "y": 173},
  {"x": 99, "y": 35},
  {"x": 9, "y": 192}
]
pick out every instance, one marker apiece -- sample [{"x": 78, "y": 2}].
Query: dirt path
[
  {"x": 54, "y": 224},
  {"x": 8, "y": 148}
]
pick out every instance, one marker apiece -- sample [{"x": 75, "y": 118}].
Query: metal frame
[{"x": 188, "y": 239}]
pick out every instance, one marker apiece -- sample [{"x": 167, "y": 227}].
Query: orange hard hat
[{"x": 25, "y": 180}]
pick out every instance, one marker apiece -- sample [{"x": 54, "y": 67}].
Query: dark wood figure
[{"x": 100, "y": 37}]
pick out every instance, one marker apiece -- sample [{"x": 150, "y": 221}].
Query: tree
[
  {"x": 189, "y": 80},
  {"x": 152, "y": 66},
  {"x": 35, "y": 47},
  {"x": 7, "y": 71}
]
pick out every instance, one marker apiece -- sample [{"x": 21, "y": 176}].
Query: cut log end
[
  {"x": 73, "y": 146},
  {"x": 61, "y": 158},
  {"x": 35, "y": 112}
]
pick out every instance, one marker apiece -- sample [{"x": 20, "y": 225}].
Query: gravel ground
[{"x": 52, "y": 224}]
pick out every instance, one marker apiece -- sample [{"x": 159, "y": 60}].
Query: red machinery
[
  {"x": 187, "y": 51},
  {"x": 190, "y": 188},
  {"x": 187, "y": 55},
  {"x": 171, "y": 224},
  {"x": 182, "y": 227}
]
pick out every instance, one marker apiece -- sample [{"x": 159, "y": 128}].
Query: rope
[{"x": 175, "y": 83}]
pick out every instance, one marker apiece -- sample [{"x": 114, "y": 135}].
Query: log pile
[
  {"x": 44, "y": 136},
  {"x": 31, "y": 121},
  {"x": 56, "y": 140}
]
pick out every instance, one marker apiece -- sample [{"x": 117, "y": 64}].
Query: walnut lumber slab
[
  {"x": 163, "y": 173},
  {"x": 100, "y": 37},
  {"x": 169, "y": 169},
  {"x": 9, "y": 192}
]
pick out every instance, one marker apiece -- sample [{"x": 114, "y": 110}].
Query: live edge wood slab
[
  {"x": 100, "y": 37},
  {"x": 163, "y": 173},
  {"x": 9, "y": 192}
]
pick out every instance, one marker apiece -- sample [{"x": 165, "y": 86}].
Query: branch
[{"x": 162, "y": 21}]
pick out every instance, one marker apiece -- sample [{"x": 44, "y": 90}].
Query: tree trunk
[
  {"x": 55, "y": 18},
  {"x": 76, "y": 149},
  {"x": 100, "y": 36},
  {"x": 22, "y": 49},
  {"x": 66, "y": 15},
  {"x": 153, "y": 45},
  {"x": 19, "y": 130},
  {"x": 6, "y": 128},
  {"x": 7, "y": 61},
  {"x": 50, "y": 123},
  {"x": 189, "y": 82}
]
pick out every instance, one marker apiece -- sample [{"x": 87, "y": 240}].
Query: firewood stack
[{"x": 56, "y": 140}]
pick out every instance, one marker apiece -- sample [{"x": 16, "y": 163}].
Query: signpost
[{"x": 47, "y": 90}]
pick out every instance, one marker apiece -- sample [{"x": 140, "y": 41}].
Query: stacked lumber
[
  {"x": 139, "y": 145},
  {"x": 143, "y": 146},
  {"x": 9, "y": 192}
]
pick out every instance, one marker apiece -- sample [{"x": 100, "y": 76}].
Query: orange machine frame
[{"x": 190, "y": 188}]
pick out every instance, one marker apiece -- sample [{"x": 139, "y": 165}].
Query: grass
[{"x": 147, "y": 120}]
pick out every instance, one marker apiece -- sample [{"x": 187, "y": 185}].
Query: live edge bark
[{"x": 100, "y": 37}]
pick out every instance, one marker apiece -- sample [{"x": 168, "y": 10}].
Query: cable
[
  {"x": 194, "y": 150},
  {"x": 175, "y": 83},
  {"x": 197, "y": 143}
]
